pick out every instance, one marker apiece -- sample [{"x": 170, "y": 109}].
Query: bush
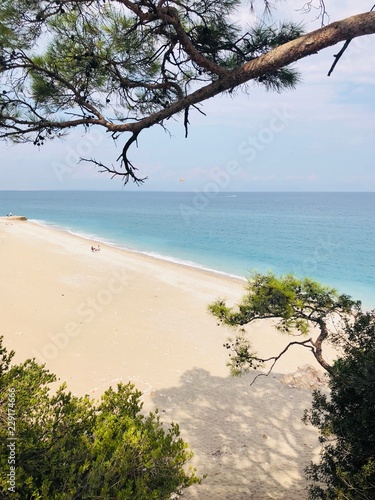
[
  {"x": 69, "y": 447},
  {"x": 346, "y": 420}
]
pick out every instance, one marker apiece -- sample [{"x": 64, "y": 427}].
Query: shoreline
[
  {"x": 98, "y": 318},
  {"x": 112, "y": 263},
  {"x": 153, "y": 255},
  {"x": 330, "y": 256}
]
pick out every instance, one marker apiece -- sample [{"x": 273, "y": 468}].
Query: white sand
[{"x": 100, "y": 318}]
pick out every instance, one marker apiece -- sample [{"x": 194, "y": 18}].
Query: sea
[{"x": 327, "y": 236}]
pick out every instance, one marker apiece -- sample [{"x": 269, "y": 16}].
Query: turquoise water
[{"x": 327, "y": 236}]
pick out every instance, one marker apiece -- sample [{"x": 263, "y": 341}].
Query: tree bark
[
  {"x": 318, "y": 346},
  {"x": 288, "y": 53},
  {"x": 312, "y": 43}
]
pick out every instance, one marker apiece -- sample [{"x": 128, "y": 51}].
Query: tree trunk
[{"x": 318, "y": 346}]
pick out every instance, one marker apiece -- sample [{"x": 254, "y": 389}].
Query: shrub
[
  {"x": 70, "y": 447},
  {"x": 346, "y": 420}
]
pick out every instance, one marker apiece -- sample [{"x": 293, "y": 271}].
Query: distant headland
[{"x": 13, "y": 217}]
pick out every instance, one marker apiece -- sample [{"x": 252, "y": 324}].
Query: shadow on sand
[{"x": 249, "y": 440}]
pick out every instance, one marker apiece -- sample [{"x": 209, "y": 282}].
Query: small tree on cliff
[
  {"x": 128, "y": 65},
  {"x": 297, "y": 305},
  {"x": 345, "y": 417}
]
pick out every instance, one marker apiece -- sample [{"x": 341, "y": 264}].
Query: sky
[{"x": 318, "y": 137}]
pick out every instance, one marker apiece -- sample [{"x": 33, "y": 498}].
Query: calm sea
[{"x": 327, "y": 236}]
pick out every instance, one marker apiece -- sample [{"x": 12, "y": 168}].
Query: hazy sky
[{"x": 319, "y": 137}]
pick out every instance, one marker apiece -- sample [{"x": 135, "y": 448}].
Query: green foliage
[
  {"x": 68, "y": 447},
  {"x": 243, "y": 358},
  {"x": 126, "y": 66},
  {"x": 16, "y": 31},
  {"x": 296, "y": 304},
  {"x": 87, "y": 55},
  {"x": 346, "y": 421}
]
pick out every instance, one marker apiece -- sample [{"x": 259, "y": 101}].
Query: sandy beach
[{"x": 98, "y": 318}]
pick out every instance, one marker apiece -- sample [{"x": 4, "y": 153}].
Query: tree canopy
[
  {"x": 127, "y": 65},
  {"x": 297, "y": 305}
]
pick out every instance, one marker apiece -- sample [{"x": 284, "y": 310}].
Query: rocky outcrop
[
  {"x": 14, "y": 217},
  {"x": 306, "y": 377}
]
